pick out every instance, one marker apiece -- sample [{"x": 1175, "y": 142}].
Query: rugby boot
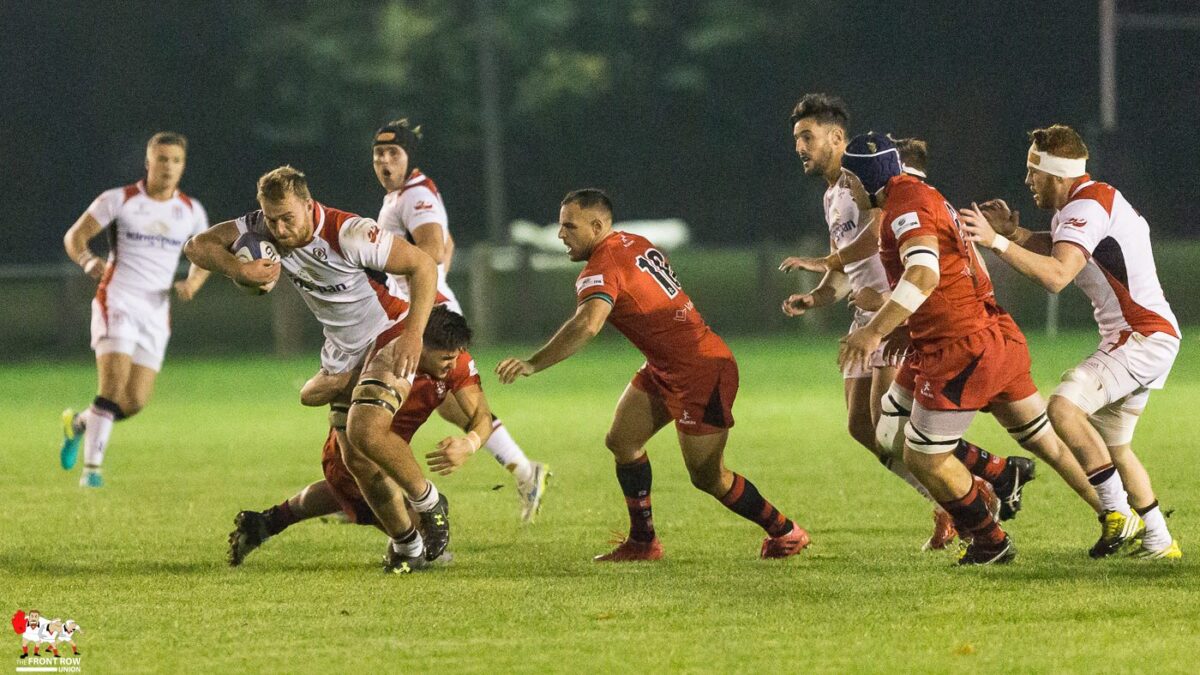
[
  {"x": 629, "y": 550},
  {"x": 1117, "y": 531},
  {"x": 531, "y": 492},
  {"x": 69, "y": 454},
  {"x": 785, "y": 545},
  {"x": 974, "y": 554},
  {"x": 1019, "y": 472},
  {"x": 943, "y": 531},
  {"x": 396, "y": 563},
  {"x": 1172, "y": 552},
  {"x": 250, "y": 532},
  {"x": 435, "y": 528}
]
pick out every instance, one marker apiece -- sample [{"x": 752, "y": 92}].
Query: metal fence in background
[{"x": 515, "y": 295}]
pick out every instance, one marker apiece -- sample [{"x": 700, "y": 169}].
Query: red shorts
[
  {"x": 700, "y": 399},
  {"x": 985, "y": 367},
  {"x": 345, "y": 489}
]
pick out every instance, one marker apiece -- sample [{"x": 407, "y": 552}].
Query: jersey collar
[
  {"x": 1080, "y": 183},
  {"x": 319, "y": 219}
]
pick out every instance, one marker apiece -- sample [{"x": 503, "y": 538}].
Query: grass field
[{"x": 140, "y": 564}]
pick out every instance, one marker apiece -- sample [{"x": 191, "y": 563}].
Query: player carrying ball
[{"x": 690, "y": 375}]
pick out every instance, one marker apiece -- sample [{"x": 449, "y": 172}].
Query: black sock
[
  {"x": 635, "y": 482},
  {"x": 744, "y": 499},
  {"x": 279, "y": 518}
]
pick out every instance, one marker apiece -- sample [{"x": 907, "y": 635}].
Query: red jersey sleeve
[
  {"x": 600, "y": 278},
  {"x": 464, "y": 374},
  {"x": 918, "y": 219}
]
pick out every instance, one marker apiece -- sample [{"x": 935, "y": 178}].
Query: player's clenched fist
[
  {"x": 511, "y": 368},
  {"x": 798, "y": 303},
  {"x": 257, "y": 272}
]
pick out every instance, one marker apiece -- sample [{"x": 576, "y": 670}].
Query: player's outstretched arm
[
  {"x": 921, "y": 274},
  {"x": 209, "y": 250},
  {"x": 452, "y": 452},
  {"x": 571, "y": 337},
  {"x": 75, "y": 241},
  {"x": 1007, "y": 223},
  {"x": 1053, "y": 272},
  {"x": 834, "y": 286},
  {"x": 189, "y": 287},
  {"x": 405, "y": 258}
]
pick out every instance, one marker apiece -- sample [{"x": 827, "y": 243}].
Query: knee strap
[
  {"x": 1031, "y": 430},
  {"x": 339, "y": 413},
  {"x": 376, "y": 392}
]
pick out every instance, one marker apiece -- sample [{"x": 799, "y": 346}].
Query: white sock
[
  {"x": 79, "y": 423},
  {"x": 427, "y": 501},
  {"x": 1111, "y": 492},
  {"x": 1157, "y": 536},
  {"x": 95, "y": 436},
  {"x": 409, "y": 545},
  {"x": 508, "y": 453},
  {"x": 899, "y": 468}
]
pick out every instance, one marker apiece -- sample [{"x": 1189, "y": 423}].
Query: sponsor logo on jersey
[
  {"x": 1075, "y": 222},
  {"x": 315, "y": 287},
  {"x": 588, "y": 282},
  {"x": 905, "y": 222},
  {"x": 373, "y": 234},
  {"x": 423, "y": 205}
]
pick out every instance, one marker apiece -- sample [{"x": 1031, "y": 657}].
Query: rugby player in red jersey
[
  {"x": 961, "y": 359},
  {"x": 689, "y": 377},
  {"x": 445, "y": 370}
]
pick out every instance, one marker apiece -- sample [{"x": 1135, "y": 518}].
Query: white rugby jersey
[
  {"x": 846, "y": 225},
  {"x": 67, "y": 634},
  {"x": 416, "y": 204},
  {"x": 340, "y": 274},
  {"x": 145, "y": 237},
  {"x": 1120, "y": 277},
  {"x": 35, "y": 632}
]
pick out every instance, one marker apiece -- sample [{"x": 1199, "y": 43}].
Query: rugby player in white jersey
[
  {"x": 1100, "y": 242},
  {"x": 820, "y": 127},
  {"x": 413, "y": 209},
  {"x": 147, "y": 224},
  {"x": 338, "y": 262}
]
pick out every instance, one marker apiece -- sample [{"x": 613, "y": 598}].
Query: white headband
[
  {"x": 912, "y": 171},
  {"x": 1055, "y": 166}
]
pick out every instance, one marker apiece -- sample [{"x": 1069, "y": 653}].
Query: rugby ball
[{"x": 250, "y": 247}]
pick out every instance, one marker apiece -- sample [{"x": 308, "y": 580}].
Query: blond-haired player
[
  {"x": 147, "y": 223},
  {"x": 1099, "y": 241}
]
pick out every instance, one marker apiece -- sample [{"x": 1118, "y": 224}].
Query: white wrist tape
[
  {"x": 473, "y": 439},
  {"x": 907, "y": 295},
  {"x": 1000, "y": 243}
]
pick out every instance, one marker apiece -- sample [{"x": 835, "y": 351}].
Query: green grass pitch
[{"x": 141, "y": 563}]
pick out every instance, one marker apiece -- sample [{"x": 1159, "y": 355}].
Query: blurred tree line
[{"x": 678, "y": 108}]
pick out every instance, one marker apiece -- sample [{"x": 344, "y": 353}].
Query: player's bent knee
[
  {"x": 1031, "y": 432},
  {"x": 1061, "y": 410}
]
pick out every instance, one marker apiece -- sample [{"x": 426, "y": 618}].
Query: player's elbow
[
  {"x": 1055, "y": 281},
  {"x": 191, "y": 249}
]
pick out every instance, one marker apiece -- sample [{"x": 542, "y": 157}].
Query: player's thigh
[
  {"x": 704, "y": 454},
  {"x": 637, "y": 418},
  {"x": 112, "y": 371}
]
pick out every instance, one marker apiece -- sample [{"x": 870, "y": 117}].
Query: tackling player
[
  {"x": 690, "y": 375},
  {"x": 337, "y": 261},
  {"x": 961, "y": 360},
  {"x": 413, "y": 209},
  {"x": 1100, "y": 242},
  {"x": 446, "y": 371},
  {"x": 147, "y": 224}
]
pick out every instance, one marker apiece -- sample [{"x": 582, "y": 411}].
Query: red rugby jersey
[
  {"x": 958, "y": 305},
  {"x": 649, "y": 306},
  {"x": 427, "y": 394}
]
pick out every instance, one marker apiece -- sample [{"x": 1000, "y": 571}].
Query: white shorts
[
  {"x": 135, "y": 324},
  {"x": 1113, "y": 384},
  {"x": 336, "y": 360},
  {"x": 856, "y": 371}
]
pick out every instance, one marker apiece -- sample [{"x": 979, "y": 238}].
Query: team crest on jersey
[
  {"x": 320, "y": 254},
  {"x": 588, "y": 282},
  {"x": 1075, "y": 222},
  {"x": 905, "y": 222},
  {"x": 373, "y": 234}
]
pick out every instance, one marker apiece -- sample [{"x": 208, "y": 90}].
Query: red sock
[
  {"x": 744, "y": 499},
  {"x": 279, "y": 518},
  {"x": 971, "y": 517},
  {"x": 25, "y": 649},
  {"x": 980, "y": 462}
]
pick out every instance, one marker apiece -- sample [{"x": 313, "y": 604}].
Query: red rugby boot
[
  {"x": 943, "y": 531},
  {"x": 629, "y": 550},
  {"x": 785, "y": 545},
  {"x": 989, "y": 495}
]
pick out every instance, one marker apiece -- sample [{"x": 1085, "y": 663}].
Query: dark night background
[{"x": 680, "y": 109}]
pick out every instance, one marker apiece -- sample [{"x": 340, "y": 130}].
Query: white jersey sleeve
[
  {"x": 201, "y": 217},
  {"x": 421, "y": 206},
  {"x": 106, "y": 207},
  {"x": 365, "y": 244},
  {"x": 1082, "y": 222}
]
